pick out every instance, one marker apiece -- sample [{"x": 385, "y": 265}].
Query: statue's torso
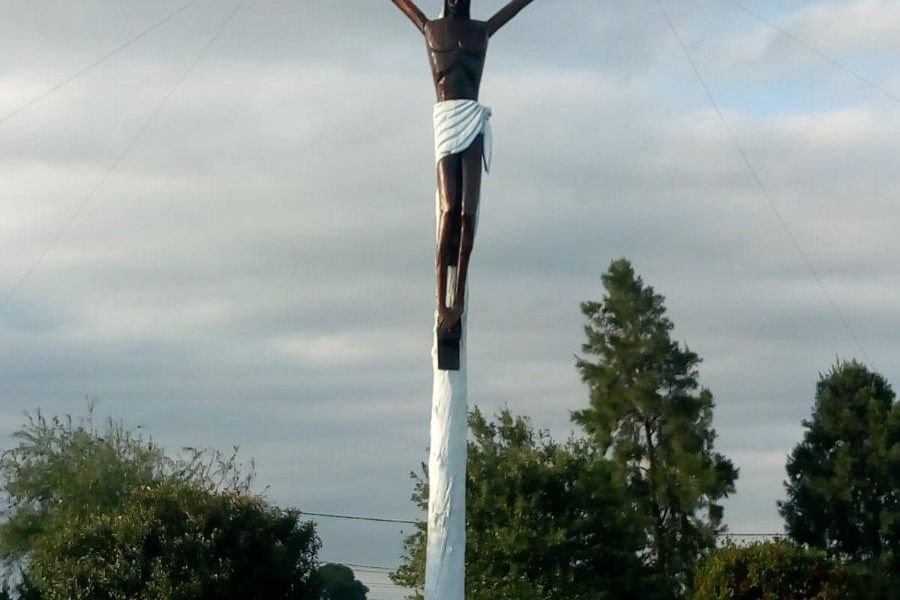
[{"x": 457, "y": 49}]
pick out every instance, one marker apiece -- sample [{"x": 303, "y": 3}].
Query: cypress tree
[{"x": 649, "y": 414}]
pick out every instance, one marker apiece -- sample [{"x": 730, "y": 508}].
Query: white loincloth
[{"x": 456, "y": 125}]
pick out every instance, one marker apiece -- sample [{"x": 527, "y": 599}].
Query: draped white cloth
[{"x": 456, "y": 125}]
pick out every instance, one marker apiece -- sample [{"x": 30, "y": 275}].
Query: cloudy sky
[{"x": 258, "y": 268}]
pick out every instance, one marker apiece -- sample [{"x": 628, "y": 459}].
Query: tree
[
  {"x": 105, "y": 515},
  {"x": 770, "y": 571},
  {"x": 649, "y": 415},
  {"x": 545, "y": 521},
  {"x": 339, "y": 583},
  {"x": 176, "y": 540},
  {"x": 843, "y": 486},
  {"x": 62, "y": 469},
  {"x": 66, "y": 470}
]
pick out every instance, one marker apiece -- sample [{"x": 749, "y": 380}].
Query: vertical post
[
  {"x": 446, "y": 553},
  {"x": 445, "y": 560}
]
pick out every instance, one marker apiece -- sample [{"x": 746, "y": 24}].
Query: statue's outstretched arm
[
  {"x": 412, "y": 11},
  {"x": 505, "y": 14}
]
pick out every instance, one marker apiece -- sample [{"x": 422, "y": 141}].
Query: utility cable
[
  {"x": 409, "y": 522},
  {"x": 762, "y": 188},
  {"x": 98, "y": 62},
  {"x": 121, "y": 157},
  {"x": 372, "y": 568},
  {"x": 826, "y": 57},
  {"x": 356, "y": 518}
]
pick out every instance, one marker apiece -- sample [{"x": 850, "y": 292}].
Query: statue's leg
[
  {"x": 471, "y": 193},
  {"x": 449, "y": 172}
]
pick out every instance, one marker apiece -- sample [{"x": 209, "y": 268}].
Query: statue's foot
[
  {"x": 449, "y": 337},
  {"x": 448, "y": 317}
]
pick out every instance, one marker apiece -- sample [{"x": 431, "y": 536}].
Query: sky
[{"x": 256, "y": 268}]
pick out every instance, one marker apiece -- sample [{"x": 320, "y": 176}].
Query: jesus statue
[{"x": 457, "y": 46}]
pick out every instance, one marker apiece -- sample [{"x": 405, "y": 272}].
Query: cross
[{"x": 457, "y": 47}]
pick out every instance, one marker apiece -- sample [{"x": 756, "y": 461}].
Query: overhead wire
[
  {"x": 120, "y": 158},
  {"x": 406, "y": 521},
  {"x": 762, "y": 187},
  {"x": 371, "y": 568},
  {"x": 821, "y": 54},
  {"x": 358, "y": 518},
  {"x": 90, "y": 66}
]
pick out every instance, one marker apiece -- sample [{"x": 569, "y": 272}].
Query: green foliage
[
  {"x": 339, "y": 583},
  {"x": 411, "y": 573},
  {"x": 545, "y": 521},
  {"x": 105, "y": 515},
  {"x": 843, "y": 487},
  {"x": 648, "y": 413},
  {"x": 876, "y": 579},
  {"x": 62, "y": 470},
  {"x": 770, "y": 571},
  {"x": 175, "y": 540}
]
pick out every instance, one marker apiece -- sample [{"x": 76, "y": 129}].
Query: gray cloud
[{"x": 259, "y": 269}]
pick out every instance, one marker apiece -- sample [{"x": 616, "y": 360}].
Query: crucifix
[{"x": 457, "y": 47}]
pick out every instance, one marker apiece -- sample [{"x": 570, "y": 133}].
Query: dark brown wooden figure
[{"x": 457, "y": 47}]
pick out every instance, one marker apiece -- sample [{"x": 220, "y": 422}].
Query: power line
[
  {"x": 405, "y": 521},
  {"x": 358, "y": 518},
  {"x": 364, "y": 568},
  {"x": 382, "y": 570},
  {"x": 98, "y": 62},
  {"x": 121, "y": 157},
  {"x": 762, "y": 188},
  {"x": 370, "y": 571},
  {"x": 372, "y": 568},
  {"x": 826, "y": 57}
]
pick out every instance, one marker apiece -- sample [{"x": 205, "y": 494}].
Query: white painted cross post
[
  {"x": 457, "y": 47},
  {"x": 445, "y": 561}
]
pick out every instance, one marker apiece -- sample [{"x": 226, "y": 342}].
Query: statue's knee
[
  {"x": 450, "y": 201},
  {"x": 450, "y": 212}
]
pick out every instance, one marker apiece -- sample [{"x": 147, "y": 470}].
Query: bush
[
  {"x": 770, "y": 571},
  {"x": 876, "y": 579},
  {"x": 340, "y": 583},
  {"x": 177, "y": 541},
  {"x": 106, "y": 515}
]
